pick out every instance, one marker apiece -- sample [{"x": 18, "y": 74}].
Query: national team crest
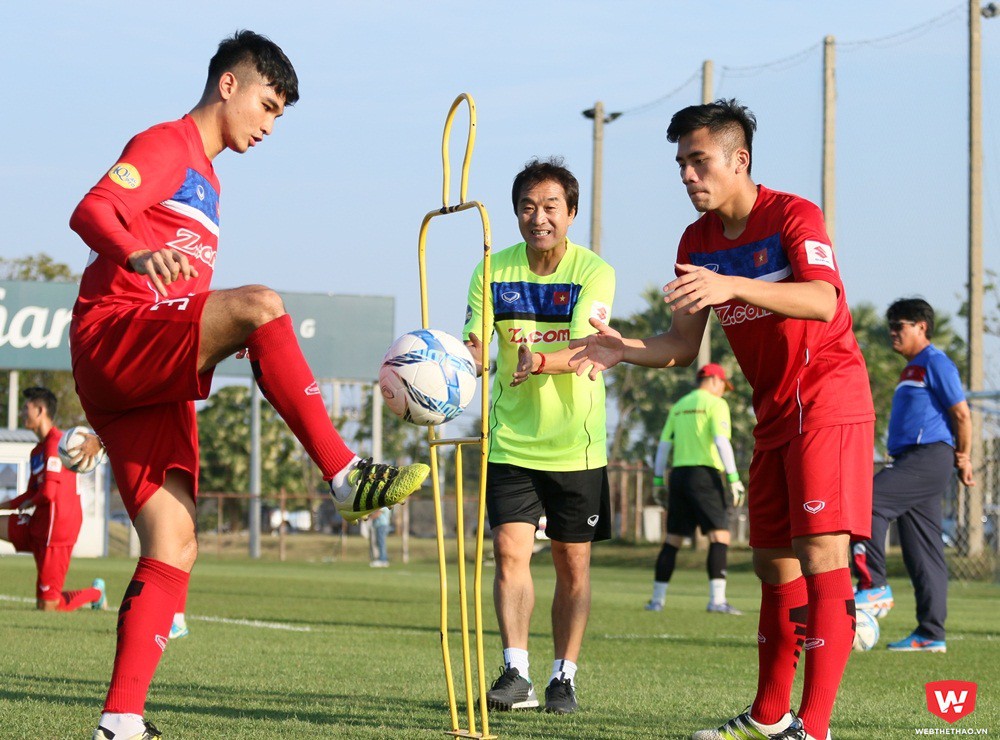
[
  {"x": 951, "y": 700},
  {"x": 560, "y": 297},
  {"x": 760, "y": 258}
]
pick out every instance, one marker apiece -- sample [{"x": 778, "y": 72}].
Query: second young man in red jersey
[
  {"x": 763, "y": 261},
  {"x": 147, "y": 333}
]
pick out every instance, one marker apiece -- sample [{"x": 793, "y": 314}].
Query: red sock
[
  {"x": 831, "y": 627},
  {"x": 73, "y": 600},
  {"x": 286, "y": 381},
  {"x": 781, "y": 633},
  {"x": 143, "y": 627}
]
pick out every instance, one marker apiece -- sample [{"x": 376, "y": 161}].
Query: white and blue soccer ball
[
  {"x": 71, "y": 439},
  {"x": 867, "y": 632},
  {"x": 427, "y": 377}
]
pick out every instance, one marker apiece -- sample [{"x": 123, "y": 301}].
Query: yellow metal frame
[{"x": 458, "y": 442}]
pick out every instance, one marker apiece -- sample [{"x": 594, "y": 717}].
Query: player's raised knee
[{"x": 252, "y": 305}]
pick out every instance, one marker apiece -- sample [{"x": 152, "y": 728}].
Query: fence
[{"x": 971, "y": 517}]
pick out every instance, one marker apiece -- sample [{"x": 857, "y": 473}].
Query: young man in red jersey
[
  {"x": 147, "y": 333},
  {"x": 763, "y": 261},
  {"x": 51, "y": 531}
]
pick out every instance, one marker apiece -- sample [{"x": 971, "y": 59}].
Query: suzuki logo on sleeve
[
  {"x": 814, "y": 507},
  {"x": 951, "y": 700}
]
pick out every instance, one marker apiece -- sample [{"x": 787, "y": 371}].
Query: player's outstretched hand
[
  {"x": 697, "y": 288},
  {"x": 162, "y": 266},
  {"x": 475, "y": 346},
  {"x": 83, "y": 454},
  {"x": 598, "y": 352},
  {"x": 525, "y": 361}
]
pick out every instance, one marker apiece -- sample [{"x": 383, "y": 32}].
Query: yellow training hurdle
[{"x": 458, "y": 442}]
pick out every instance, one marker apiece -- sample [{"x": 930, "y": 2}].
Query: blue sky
[{"x": 332, "y": 202}]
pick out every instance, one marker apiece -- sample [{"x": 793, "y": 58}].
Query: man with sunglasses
[{"x": 930, "y": 432}]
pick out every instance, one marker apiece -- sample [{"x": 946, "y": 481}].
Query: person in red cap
[
  {"x": 762, "y": 260},
  {"x": 698, "y": 430}
]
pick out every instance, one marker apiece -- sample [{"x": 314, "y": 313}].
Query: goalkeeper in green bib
[
  {"x": 698, "y": 430},
  {"x": 547, "y": 449}
]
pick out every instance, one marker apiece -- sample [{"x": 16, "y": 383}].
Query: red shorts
[
  {"x": 136, "y": 372},
  {"x": 52, "y": 562},
  {"x": 818, "y": 483}
]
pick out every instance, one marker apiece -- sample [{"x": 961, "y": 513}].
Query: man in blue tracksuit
[{"x": 930, "y": 432}]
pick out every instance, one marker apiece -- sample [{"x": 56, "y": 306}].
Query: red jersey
[
  {"x": 805, "y": 374},
  {"x": 164, "y": 193},
  {"x": 58, "y": 515}
]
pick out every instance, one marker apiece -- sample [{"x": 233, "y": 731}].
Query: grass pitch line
[
  {"x": 252, "y": 623},
  {"x": 20, "y": 599},
  {"x": 218, "y": 620}
]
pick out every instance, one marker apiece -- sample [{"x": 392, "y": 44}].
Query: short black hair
[
  {"x": 537, "y": 171},
  {"x": 247, "y": 47},
  {"x": 43, "y": 397},
  {"x": 912, "y": 309},
  {"x": 733, "y": 123}
]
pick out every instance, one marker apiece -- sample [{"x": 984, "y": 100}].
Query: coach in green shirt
[
  {"x": 547, "y": 450},
  {"x": 698, "y": 430}
]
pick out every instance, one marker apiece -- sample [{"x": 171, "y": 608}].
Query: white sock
[
  {"x": 563, "y": 669},
  {"x": 717, "y": 590},
  {"x": 779, "y": 726},
  {"x": 179, "y": 620},
  {"x": 659, "y": 591},
  {"x": 125, "y": 725},
  {"x": 338, "y": 484},
  {"x": 517, "y": 658}
]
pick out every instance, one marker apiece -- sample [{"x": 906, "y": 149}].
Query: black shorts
[
  {"x": 576, "y": 503},
  {"x": 697, "y": 497}
]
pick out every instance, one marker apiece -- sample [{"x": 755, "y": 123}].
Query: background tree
[
  {"x": 43, "y": 268},
  {"x": 224, "y": 438},
  {"x": 642, "y": 396}
]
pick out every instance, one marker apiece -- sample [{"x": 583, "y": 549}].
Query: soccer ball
[
  {"x": 71, "y": 439},
  {"x": 867, "y": 632},
  {"x": 427, "y": 377}
]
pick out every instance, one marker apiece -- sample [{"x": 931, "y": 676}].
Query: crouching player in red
[
  {"x": 763, "y": 261},
  {"x": 51, "y": 531},
  {"x": 147, "y": 333}
]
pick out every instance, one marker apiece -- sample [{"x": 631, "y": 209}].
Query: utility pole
[
  {"x": 829, "y": 138},
  {"x": 705, "y": 350},
  {"x": 974, "y": 509},
  {"x": 597, "y": 114}
]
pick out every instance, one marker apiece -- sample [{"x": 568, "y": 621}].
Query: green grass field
[{"x": 327, "y": 649}]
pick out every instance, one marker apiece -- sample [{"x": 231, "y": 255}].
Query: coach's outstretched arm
[{"x": 607, "y": 348}]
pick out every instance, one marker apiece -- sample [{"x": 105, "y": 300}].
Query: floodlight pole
[{"x": 829, "y": 138}]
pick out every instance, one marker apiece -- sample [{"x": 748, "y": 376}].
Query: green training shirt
[
  {"x": 549, "y": 422},
  {"x": 692, "y": 426}
]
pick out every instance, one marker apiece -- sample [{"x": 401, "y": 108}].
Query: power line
[
  {"x": 889, "y": 40},
  {"x": 663, "y": 98},
  {"x": 909, "y": 34}
]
